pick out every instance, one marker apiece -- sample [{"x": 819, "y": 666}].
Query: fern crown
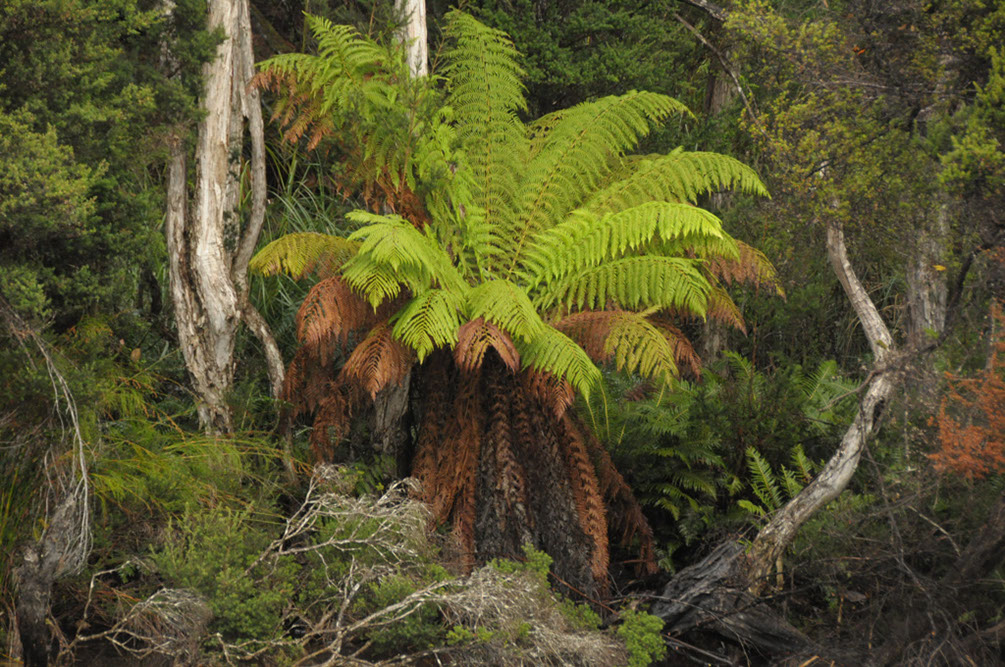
[{"x": 550, "y": 231}]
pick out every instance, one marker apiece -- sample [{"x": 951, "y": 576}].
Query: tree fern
[{"x": 515, "y": 260}]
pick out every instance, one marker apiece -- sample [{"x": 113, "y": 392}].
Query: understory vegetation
[{"x": 534, "y": 354}]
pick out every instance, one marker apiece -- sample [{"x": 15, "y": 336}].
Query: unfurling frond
[
  {"x": 428, "y": 321},
  {"x": 555, "y": 353},
  {"x": 680, "y": 176},
  {"x": 300, "y": 254},
  {"x": 506, "y": 305},
  {"x": 633, "y": 282},
  {"x": 378, "y": 360},
  {"x": 751, "y": 267},
  {"x": 586, "y": 240},
  {"x": 330, "y": 312},
  {"x": 475, "y": 338},
  {"x": 634, "y": 343}
]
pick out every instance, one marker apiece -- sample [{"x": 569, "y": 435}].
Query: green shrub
[
  {"x": 423, "y": 629},
  {"x": 641, "y": 633},
  {"x": 211, "y": 551}
]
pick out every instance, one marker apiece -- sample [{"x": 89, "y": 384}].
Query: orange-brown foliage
[
  {"x": 971, "y": 417},
  {"x": 331, "y": 311},
  {"x": 378, "y": 360},
  {"x": 474, "y": 338}
]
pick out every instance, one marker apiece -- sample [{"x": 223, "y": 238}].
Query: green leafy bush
[
  {"x": 641, "y": 633},
  {"x": 215, "y": 552}
]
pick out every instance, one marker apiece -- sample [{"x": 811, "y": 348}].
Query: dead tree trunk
[
  {"x": 208, "y": 246},
  {"x": 720, "y": 592},
  {"x": 65, "y": 543}
]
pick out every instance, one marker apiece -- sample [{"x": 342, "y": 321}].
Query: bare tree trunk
[
  {"x": 772, "y": 540},
  {"x": 926, "y": 284},
  {"x": 413, "y": 35},
  {"x": 207, "y": 267},
  {"x": 720, "y": 592},
  {"x": 65, "y": 543}
]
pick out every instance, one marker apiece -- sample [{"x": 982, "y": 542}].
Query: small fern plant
[
  {"x": 497, "y": 265},
  {"x": 773, "y": 489}
]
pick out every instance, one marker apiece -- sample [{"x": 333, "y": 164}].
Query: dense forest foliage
[{"x": 513, "y": 333}]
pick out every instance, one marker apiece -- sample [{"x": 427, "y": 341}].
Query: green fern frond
[
  {"x": 577, "y": 155},
  {"x": 378, "y": 283},
  {"x": 586, "y": 240},
  {"x": 632, "y": 282},
  {"x": 348, "y": 53},
  {"x": 331, "y": 87},
  {"x": 792, "y": 485},
  {"x": 802, "y": 463},
  {"x": 640, "y": 347},
  {"x": 486, "y": 92},
  {"x": 699, "y": 481},
  {"x": 428, "y": 321},
  {"x": 392, "y": 243},
  {"x": 750, "y": 507},
  {"x": 539, "y": 130},
  {"x": 679, "y": 176},
  {"x": 634, "y": 343},
  {"x": 301, "y": 253},
  {"x": 554, "y": 352},
  {"x": 763, "y": 482},
  {"x": 507, "y": 306}
]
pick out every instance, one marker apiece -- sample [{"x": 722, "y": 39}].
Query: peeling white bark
[{"x": 209, "y": 247}]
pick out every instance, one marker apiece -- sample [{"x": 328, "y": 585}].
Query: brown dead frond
[
  {"x": 624, "y": 512},
  {"x": 590, "y": 330},
  {"x": 751, "y": 268},
  {"x": 683, "y": 352},
  {"x": 331, "y": 311},
  {"x": 474, "y": 338},
  {"x": 548, "y": 390},
  {"x": 378, "y": 360},
  {"x": 721, "y": 308},
  {"x": 586, "y": 491}
]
